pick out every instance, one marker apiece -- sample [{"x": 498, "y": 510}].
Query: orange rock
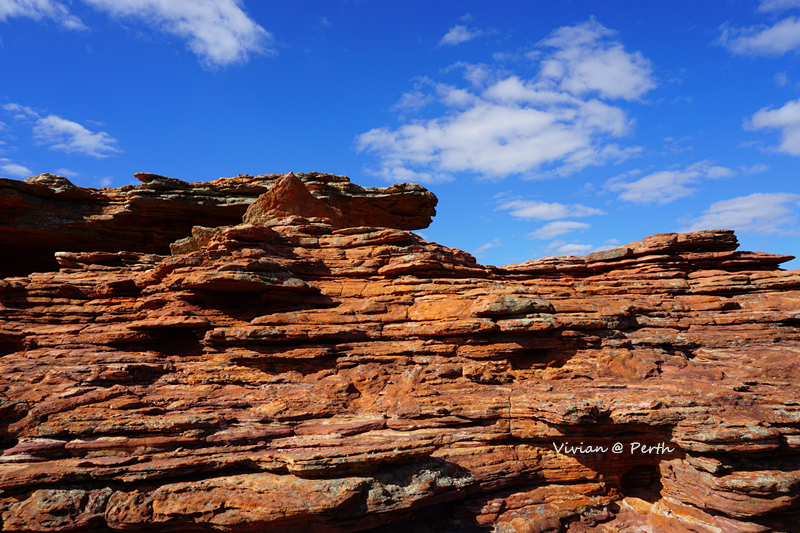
[
  {"x": 316, "y": 370},
  {"x": 290, "y": 197},
  {"x": 47, "y": 214}
]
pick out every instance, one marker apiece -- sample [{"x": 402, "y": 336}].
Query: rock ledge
[{"x": 311, "y": 371}]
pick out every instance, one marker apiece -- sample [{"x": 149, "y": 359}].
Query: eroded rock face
[
  {"x": 291, "y": 376},
  {"x": 289, "y": 196},
  {"x": 47, "y": 214}
]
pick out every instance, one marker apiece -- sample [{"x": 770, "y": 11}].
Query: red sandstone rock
[
  {"x": 47, "y": 214},
  {"x": 286, "y": 375},
  {"x": 290, "y": 197}
]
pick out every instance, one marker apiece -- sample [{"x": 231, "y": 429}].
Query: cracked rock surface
[
  {"x": 304, "y": 372},
  {"x": 47, "y": 214}
]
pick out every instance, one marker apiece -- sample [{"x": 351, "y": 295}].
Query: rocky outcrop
[
  {"x": 289, "y": 375},
  {"x": 47, "y": 214}
]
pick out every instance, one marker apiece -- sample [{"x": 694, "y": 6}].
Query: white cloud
[
  {"x": 561, "y": 247},
  {"x": 14, "y": 169},
  {"x": 778, "y": 5},
  {"x": 503, "y": 57},
  {"x": 323, "y": 21},
  {"x": 502, "y": 124},
  {"x": 21, "y": 112},
  {"x": 218, "y": 31},
  {"x": 786, "y": 119},
  {"x": 678, "y": 146},
  {"x": 40, "y": 9},
  {"x": 67, "y": 173},
  {"x": 547, "y": 211},
  {"x": 587, "y": 62},
  {"x": 64, "y": 135},
  {"x": 778, "y": 39},
  {"x": 477, "y": 74},
  {"x": 667, "y": 185},
  {"x": 483, "y": 247},
  {"x": 459, "y": 34},
  {"x": 70, "y": 137},
  {"x": 781, "y": 80},
  {"x": 548, "y": 231},
  {"x": 574, "y": 249},
  {"x": 765, "y": 213},
  {"x": 713, "y": 172},
  {"x": 413, "y": 102},
  {"x": 399, "y": 174},
  {"x": 758, "y": 168}
]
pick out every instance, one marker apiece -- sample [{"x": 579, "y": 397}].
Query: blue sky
[{"x": 545, "y": 128}]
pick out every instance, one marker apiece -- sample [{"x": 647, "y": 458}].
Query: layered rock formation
[
  {"x": 301, "y": 373},
  {"x": 47, "y": 214}
]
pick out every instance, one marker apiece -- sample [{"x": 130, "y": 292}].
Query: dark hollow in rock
[
  {"x": 320, "y": 368},
  {"x": 643, "y": 482}
]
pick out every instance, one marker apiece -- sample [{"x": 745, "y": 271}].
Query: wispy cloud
[
  {"x": 21, "y": 112},
  {"x": 764, "y": 213},
  {"x": 40, "y": 9},
  {"x": 483, "y": 247},
  {"x": 459, "y": 34},
  {"x": 65, "y": 135},
  {"x": 67, "y": 173},
  {"x": 677, "y": 146},
  {"x": 560, "y": 227},
  {"x": 72, "y": 138},
  {"x": 218, "y": 31},
  {"x": 778, "y": 5},
  {"x": 502, "y": 124},
  {"x": 572, "y": 249},
  {"x": 412, "y": 102},
  {"x": 667, "y": 185},
  {"x": 561, "y": 247},
  {"x": 782, "y": 37},
  {"x": 758, "y": 168},
  {"x": 786, "y": 119},
  {"x": 532, "y": 209},
  {"x": 10, "y": 168}
]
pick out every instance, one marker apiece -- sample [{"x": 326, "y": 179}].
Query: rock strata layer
[
  {"x": 291, "y": 375},
  {"x": 47, "y": 214}
]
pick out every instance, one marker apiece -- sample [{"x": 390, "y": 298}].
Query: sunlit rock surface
[
  {"x": 315, "y": 372},
  {"x": 47, "y": 214}
]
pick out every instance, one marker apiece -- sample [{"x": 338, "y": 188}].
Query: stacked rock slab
[
  {"x": 46, "y": 213},
  {"x": 290, "y": 375}
]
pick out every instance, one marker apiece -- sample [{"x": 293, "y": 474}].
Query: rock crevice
[
  {"x": 47, "y": 214},
  {"x": 304, "y": 372}
]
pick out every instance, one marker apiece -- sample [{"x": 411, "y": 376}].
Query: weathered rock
[
  {"x": 292, "y": 375},
  {"x": 290, "y": 197},
  {"x": 47, "y": 214}
]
